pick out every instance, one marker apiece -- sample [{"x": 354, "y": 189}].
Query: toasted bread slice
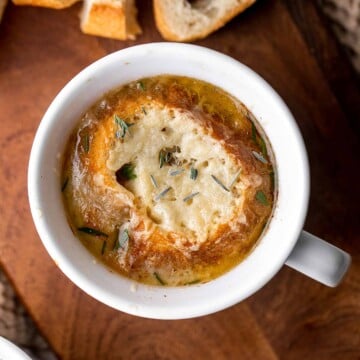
[
  {"x": 181, "y": 20},
  {"x": 2, "y": 7},
  {"x": 53, "y": 4},
  {"x": 110, "y": 18}
]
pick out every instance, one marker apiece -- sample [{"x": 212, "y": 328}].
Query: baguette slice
[
  {"x": 53, "y": 4},
  {"x": 2, "y": 7},
  {"x": 110, "y": 18},
  {"x": 181, "y": 20}
]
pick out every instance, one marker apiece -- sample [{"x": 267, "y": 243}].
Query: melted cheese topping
[
  {"x": 160, "y": 128},
  {"x": 163, "y": 227}
]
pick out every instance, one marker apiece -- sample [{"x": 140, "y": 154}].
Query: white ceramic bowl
[
  {"x": 168, "y": 302},
  {"x": 9, "y": 351}
]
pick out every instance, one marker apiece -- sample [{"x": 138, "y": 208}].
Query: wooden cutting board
[{"x": 292, "y": 317}]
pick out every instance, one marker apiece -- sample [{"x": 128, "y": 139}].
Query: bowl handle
[{"x": 319, "y": 260}]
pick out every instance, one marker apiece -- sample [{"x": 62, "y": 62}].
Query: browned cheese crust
[{"x": 150, "y": 248}]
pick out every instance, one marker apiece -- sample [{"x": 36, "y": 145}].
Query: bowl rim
[{"x": 158, "y": 311}]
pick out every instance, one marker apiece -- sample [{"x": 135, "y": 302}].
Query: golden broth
[{"x": 168, "y": 181}]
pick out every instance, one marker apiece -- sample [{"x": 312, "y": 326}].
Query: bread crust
[
  {"x": 53, "y": 4},
  {"x": 107, "y": 20},
  {"x": 166, "y": 29}
]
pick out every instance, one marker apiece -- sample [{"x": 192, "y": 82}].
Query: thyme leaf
[
  {"x": 176, "y": 172},
  {"x": 166, "y": 156},
  {"x": 91, "y": 231},
  {"x": 86, "y": 143},
  {"x": 162, "y": 194},
  {"x": 140, "y": 85},
  {"x": 159, "y": 279},
  {"x": 187, "y": 198},
  {"x": 154, "y": 182},
  {"x": 234, "y": 180},
  {"x": 126, "y": 172},
  {"x": 261, "y": 198},
  {"x": 124, "y": 126},
  {"x": 193, "y": 173},
  {"x": 259, "y": 157},
  {"x": 253, "y": 132},
  {"x": 220, "y": 183},
  {"x": 143, "y": 110}
]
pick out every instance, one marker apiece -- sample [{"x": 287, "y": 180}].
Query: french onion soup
[{"x": 168, "y": 180}]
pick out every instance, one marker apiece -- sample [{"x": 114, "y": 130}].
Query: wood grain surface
[{"x": 292, "y": 317}]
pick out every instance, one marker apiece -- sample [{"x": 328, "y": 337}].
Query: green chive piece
[
  {"x": 126, "y": 172},
  {"x": 103, "y": 247},
  {"x": 140, "y": 85},
  {"x": 154, "y": 182},
  {"x": 159, "y": 279},
  {"x": 65, "y": 184},
  {"x": 123, "y": 125},
  {"x": 220, "y": 183},
  {"x": 193, "y": 173},
  {"x": 261, "y": 198},
  {"x": 123, "y": 238},
  {"x": 234, "y": 180},
  {"x": 176, "y": 172},
  {"x": 187, "y": 198},
  {"x": 86, "y": 143},
  {"x": 143, "y": 110},
  {"x": 91, "y": 231},
  {"x": 162, "y": 194},
  {"x": 259, "y": 157}
]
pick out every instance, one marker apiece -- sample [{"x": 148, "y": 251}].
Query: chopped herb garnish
[
  {"x": 263, "y": 146},
  {"x": 176, "y": 172},
  {"x": 162, "y": 158},
  {"x": 140, "y": 85},
  {"x": 64, "y": 184},
  {"x": 259, "y": 157},
  {"x": 159, "y": 279},
  {"x": 187, "y": 198},
  {"x": 253, "y": 132},
  {"x": 126, "y": 172},
  {"x": 162, "y": 194},
  {"x": 261, "y": 198},
  {"x": 103, "y": 247},
  {"x": 166, "y": 156},
  {"x": 143, "y": 110},
  {"x": 123, "y": 238},
  {"x": 86, "y": 143},
  {"x": 123, "y": 125},
  {"x": 254, "y": 135},
  {"x": 91, "y": 231},
  {"x": 193, "y": 173},
  {"x": 234, "y": 180},
  {"x": 220, "y": 183},
  {"x": 154, "y": 182}
]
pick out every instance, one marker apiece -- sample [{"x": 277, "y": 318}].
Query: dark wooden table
[{"x": 292, "y": 317}]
